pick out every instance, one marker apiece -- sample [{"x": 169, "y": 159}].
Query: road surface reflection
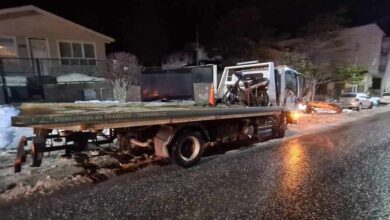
[{"x": 296, "y": 167}]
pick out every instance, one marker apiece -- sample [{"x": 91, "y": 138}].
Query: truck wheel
[
  {"x": 279, "y": 131},
  {"x": 187, "y": 149},
  {"x": 360, "y": 107}
]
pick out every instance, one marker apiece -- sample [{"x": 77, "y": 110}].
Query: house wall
[
  {"x": 50, "y": 28},
  {"x": 362, "y": 45},
  {"x": 359, "y": 45},
  {"x": 385, "y": 64}
]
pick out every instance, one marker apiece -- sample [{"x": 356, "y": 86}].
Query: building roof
[
  {"x": 290, "y": 42},
  {"x": 28, "y": 10}
]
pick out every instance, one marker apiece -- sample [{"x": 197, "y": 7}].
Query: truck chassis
[{"x": 180, "y": 133}]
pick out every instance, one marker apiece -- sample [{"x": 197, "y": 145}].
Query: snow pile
[
  {"x": 7, "y": 133},
  {"x": 78, "y": 77},
  {"x": 16, "y": 80},
  {"x": 97, "y": 102},
  {"x": 348, "y": 111},
  {"x": 43, "y": 186}
]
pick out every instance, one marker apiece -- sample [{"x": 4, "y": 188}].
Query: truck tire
[
  {"x": 279, "y": 130},
  {"x": 360, "y": 107},
  {"x": 187, "y": 148}
]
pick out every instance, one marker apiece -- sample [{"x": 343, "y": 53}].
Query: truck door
[{"x": 289, "y": 89}]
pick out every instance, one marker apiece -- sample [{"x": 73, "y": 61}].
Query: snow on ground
[
  {"x": 16, "y": 80},
  {"x": 78, "y": 77},
  {"x": 323, "y": 119},
  {"x": 7, "y": 133},
  {"x": 97, "y": 102}
]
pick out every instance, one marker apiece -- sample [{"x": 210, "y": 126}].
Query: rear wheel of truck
[
  {"x": 279, "y": 129},
  {"x": 188, "y": 148}
]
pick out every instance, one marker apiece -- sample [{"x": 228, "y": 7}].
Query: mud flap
[
  {"x": 37, "y": 149},
  {"x": 161, "y": 140},
  {"x": 20, "y": 155}
]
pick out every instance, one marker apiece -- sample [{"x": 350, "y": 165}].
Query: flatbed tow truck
[{"x": 177, "y": 131}]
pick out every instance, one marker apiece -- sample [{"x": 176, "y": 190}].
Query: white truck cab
[{"x": 283, "y": 89}]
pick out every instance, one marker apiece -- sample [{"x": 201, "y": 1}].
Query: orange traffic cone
[{"x": 212, "y": 101}]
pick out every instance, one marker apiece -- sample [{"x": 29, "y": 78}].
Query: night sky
[{"x": 163, "y": 26}]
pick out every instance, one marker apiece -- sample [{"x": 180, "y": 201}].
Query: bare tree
[
  {"x": 177, "y": 59},
  {"x": 123, "y": 71}
]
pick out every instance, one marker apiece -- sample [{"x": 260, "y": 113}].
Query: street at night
[
  {"x": 342, "y": 173},
  {"x": 195, "y": 109}
]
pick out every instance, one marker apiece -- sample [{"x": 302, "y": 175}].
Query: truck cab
[{"x": 284, "y": 83}]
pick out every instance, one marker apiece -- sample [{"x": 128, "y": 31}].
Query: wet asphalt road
[{"x": 342, "y": 173}]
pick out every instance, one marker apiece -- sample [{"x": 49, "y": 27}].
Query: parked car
[
  {"x": 375, "y": 100},
  {"x": 356, "y": 101},
  {"x": 385, "y": 98}
]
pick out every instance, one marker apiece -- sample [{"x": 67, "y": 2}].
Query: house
[
  {"x": 37, "y": 43},
  {"x": 384, "y": 65},
  {"x": 361, "y": 46}
]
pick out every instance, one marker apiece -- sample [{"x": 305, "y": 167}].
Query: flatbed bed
[
  {"x": 180, "y": 131},
  {"x": 78, "y": 117}
]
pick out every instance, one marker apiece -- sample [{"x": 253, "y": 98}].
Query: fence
[
  {"x": 23, "y": 79},
  {"x": 178, "y": 83}
]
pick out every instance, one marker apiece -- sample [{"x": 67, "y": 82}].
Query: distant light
[{"x": 296, "y": 115}]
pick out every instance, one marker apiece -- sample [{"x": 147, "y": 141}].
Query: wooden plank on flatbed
[{"x": 73, "y": 117}]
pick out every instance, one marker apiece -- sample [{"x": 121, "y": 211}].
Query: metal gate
[
  {"x": 173, "y": 84},
  {"x": 24, "y": 79}
]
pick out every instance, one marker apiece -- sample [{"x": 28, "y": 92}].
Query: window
[
  {"x": 376, "y": 83},
  {"x": 89, "y": 51},
  {"x": 291, "y": 82},
  {"x": 77, "y": 50},
  {"x": 75, "y": 53},
  {"x": 65, "y": 50},
  {"x": 7, "y": 47}
]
